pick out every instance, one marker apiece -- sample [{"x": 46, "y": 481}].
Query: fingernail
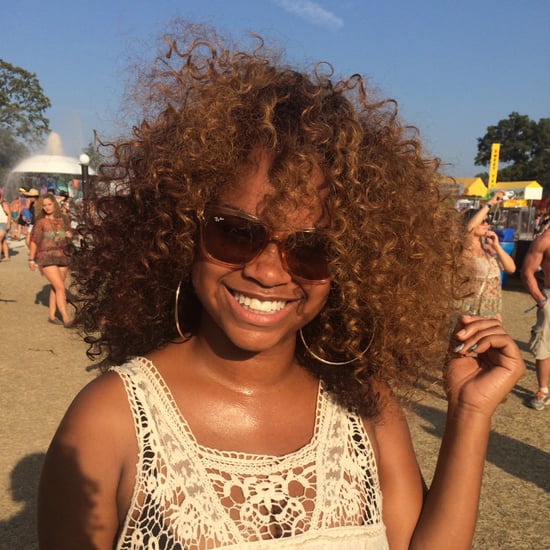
[
  {"x": 472, "y": 348},
  {"x": 458, "y": 348}
]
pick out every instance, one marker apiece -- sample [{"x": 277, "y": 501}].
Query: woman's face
[
  {"x": 48, "y": 206},
  {"x": 259, "y": 306},
  {"x": 482, "y": 228}
]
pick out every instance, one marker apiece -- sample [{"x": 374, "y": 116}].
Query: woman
[
  {"x": 4, "y": 227},
  {"x": 260, "y": 273},
  {"x": 15, "y": 209},
  {"x": 32, "y": 196},
  {"x": 486, "y": 259},
  {"x": 47, "y": 250}
]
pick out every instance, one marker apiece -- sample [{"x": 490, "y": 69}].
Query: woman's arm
[
  {"x": 483, "y": 212},
  {"x": 505, "y": 261},
  {"x": 77, "y": 502},
  {"x": 401, "y": 482},
  {"x": 475, "y": 387},
  {"x": 34, "y": 241},
  {"x": 32, "y": 255},
  {"x": 6, "y": 208}
]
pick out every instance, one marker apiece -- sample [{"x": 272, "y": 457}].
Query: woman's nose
[{"x": 268, "y": 268}]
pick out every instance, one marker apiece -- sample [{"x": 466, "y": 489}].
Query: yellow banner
[
  {"x": 493, "y": 167},
  {"x": 515, "y": 203}
]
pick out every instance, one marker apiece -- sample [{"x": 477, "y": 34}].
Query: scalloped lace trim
[{"x": 187, "y": 496}]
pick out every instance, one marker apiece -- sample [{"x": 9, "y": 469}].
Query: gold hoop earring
[
  {"x": 334, "y": 363},
  {"x": 176, "y": 311}
]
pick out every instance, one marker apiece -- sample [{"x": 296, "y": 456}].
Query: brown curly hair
[
  {"x": 208, "y": 107},
  {"x": 38, "y": 207}
]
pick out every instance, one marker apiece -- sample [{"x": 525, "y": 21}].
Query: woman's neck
[{"x": 473, "y": 246}]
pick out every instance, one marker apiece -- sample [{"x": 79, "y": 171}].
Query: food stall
[
  {"x": 517, "y": 213},
  {"x": 465, "y": 191}
]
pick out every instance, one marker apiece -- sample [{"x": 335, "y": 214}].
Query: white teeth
[{"x": 259, "y": 306}]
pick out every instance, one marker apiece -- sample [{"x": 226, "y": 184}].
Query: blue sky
[{"x": 455, "y": 67}]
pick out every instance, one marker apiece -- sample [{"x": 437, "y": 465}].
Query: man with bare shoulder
[{"x": 535, "y": 264}]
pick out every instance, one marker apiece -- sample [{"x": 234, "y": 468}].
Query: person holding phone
[{"x": 485, "y": 259}]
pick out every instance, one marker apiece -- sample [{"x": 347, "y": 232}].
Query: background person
[
  {"x": 47, "y": 249},
  {"x": 261, "y": 276},
  {"x": 32, "y": 197},
  {"x": 5, "y": 222},
  {"x": 485, "y": 259},
  {"x": 15, "y": 209},
  {"x": 537, "y": 259}
]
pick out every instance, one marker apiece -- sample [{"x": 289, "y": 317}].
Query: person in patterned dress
[{"x": 485, "y": 259}]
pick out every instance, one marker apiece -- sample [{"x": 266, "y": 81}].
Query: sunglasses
[
  {"x": 232, "y": 238},
  {"x": 487, "y": 220}
]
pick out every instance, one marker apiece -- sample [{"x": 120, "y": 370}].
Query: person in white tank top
[
  {"x": 5, "y": 223},
  {"x": 269, "y": 276}
]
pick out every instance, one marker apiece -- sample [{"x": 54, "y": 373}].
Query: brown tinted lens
[
  {"x": 306, "y": 255},
  {"x": 232, "y": 239}
]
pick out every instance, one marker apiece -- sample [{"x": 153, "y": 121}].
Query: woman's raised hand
[{"x": 484, "y": 365}]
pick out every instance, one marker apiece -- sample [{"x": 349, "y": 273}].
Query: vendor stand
[{"x": 517, "y": 213}]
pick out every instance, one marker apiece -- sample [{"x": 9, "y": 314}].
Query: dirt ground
[{"x": 42, "y": 367}]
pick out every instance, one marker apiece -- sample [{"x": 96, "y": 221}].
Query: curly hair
[{"x": 393, "y": 237}]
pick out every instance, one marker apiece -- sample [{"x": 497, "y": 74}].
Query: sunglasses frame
[{"x": 211, "y": 210}]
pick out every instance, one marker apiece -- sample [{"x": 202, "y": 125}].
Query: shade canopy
[
  {"x": 50, "y": 164},
  {"x": 471, "y": 187}
]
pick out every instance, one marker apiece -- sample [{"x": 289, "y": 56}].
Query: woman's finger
[{"x": 469, "y": 328}]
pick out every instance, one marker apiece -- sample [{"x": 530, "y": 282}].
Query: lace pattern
[
  {"x": 486, "y": 299},
  {"x": 188, "y": 496}
]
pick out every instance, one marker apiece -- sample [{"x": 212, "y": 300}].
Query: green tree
[
  {"x": 96, "y": 158},
  {"x": 11, "y": 152},
  {"x": 22, "y": 104},
  {"x": 22, "y": 120},
  {"x": 524, "y": 148}
]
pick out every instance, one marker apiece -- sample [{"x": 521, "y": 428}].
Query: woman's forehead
[
  {"x": 255, "y": 193},
  {"x": 278, "y": 212}
]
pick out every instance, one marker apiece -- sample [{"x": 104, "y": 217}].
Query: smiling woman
[{"x": 277, "y": 268}]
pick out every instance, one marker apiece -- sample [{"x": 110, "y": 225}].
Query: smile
[{"x": 259, "y": 306}]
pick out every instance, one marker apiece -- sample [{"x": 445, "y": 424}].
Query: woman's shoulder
[
  {"x": 102, "y": 396},
  {"x": 97, "y": 431},
  {"x": 100, "y": 409},
  {"x": 103, "y": 401}
]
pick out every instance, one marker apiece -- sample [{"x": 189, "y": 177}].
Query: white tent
[{"x": 50, "y": 164}]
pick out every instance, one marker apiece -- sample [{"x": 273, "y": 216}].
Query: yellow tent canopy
[{"x": 471, "y": 187}]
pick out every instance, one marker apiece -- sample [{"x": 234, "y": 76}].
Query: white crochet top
[{"x": 323, "y": 496}]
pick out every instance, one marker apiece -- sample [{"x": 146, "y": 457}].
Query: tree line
[{"x": 524, "y": 149}]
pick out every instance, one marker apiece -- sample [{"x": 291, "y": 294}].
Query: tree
[
  {"x": 22, "y": 120},
  {"x": 11, "y": 152},
  {"x": 96, "y": 158},
  {"x": 22, "y": 104},
  {"x": 524, "y": 145}
]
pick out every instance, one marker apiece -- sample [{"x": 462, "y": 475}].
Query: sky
[{"x": 454, "y": 67}]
